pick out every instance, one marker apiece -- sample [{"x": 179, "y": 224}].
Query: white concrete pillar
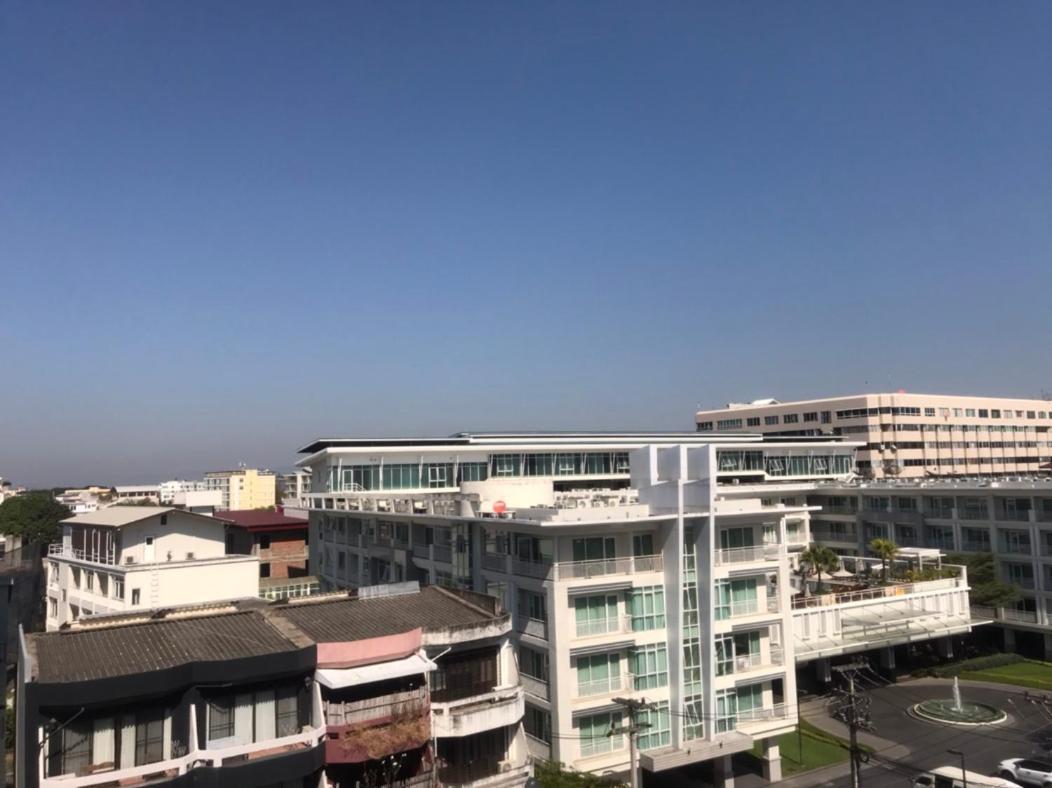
[
  {"x": 772, "y": 761},
  {"x": 945, "y": 647},
  {"x": 723, "y": 772},
  {"x": 887, "y": 658}
]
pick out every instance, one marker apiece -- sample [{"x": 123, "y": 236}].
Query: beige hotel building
[{"x": 910, "y": 435}]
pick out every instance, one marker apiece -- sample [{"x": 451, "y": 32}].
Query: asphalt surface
[{"x": 905, "y": 746}]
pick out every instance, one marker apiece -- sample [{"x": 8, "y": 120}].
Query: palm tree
[
  {"x": 885, "y": 550},
  {"x": 821, "y": 559}
]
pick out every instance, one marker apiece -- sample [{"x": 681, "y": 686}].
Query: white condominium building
[
  {"x": 909, "y": 435},
  {"x": 140, "y": 557},
  {"x": 655, "y": 567}
]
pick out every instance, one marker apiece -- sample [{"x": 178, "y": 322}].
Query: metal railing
[
  {"x": 443, "y": 553},
  {"x": 603, "y": 686},
  {"x": 604, "y": 626},
  {"x": 779, "y": 711},
  {"x": 495, "y": 562},
  {"x": 988, "y": 613},
  {"x": 94, "y": 556},
  {"x": 738, "y": 555},
  {"x": 538, "y": 569},
  {"x": 878, "y": 592},
  {"x": 601, "y": 567}
]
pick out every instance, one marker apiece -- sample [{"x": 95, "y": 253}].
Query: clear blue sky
[{"x": 226, "y": 228}]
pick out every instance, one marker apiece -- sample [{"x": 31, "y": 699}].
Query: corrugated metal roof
[{"x": 107, "y": 652}]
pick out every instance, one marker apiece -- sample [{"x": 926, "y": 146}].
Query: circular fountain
[{"x": 954, "y": 711}]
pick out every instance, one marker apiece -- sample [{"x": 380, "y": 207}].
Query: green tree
[
  {"x": 821, "y": 559},
  {"x": 885, "y": 550},
  {"x": 552, "y": 774},
  {"x": 986, "y": 588},
  {"x": 34, "y": 516}
]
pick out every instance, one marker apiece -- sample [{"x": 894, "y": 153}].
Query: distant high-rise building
[{"x": 909, "y": 435}]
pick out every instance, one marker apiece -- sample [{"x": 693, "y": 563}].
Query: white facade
[
  {"x": 145, "y": 493},
  {"x": 201, "y": 501},
  {"x": 645, "y": 566},
  {"x": 132, "y": 557},
  {"x": 167, "y": 491}
]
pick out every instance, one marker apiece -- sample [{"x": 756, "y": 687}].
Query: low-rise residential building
[
  {"x": 907, "y": 435},
  {"x": 201, "y": 501},
  {"x": 647, "y": 566},
  {"x": 293, "y": 487},
  {"x": 138, "y": 493},
  {"x": 397, "y": 685},
  {"x": 140, "y": 557},
  {"x": 244, "y": 488},
  {"x": 277, "y": 540}
]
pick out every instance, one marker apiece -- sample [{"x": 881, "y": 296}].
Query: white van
[{"x": 952, "y": 777}]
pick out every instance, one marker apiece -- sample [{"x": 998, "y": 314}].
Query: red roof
[{"x": 260, "y": 519}]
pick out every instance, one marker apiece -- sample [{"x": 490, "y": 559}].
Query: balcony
[
  {"x": 755, "y": 662},
  {"x": 742, "y": 555},
  {"x": 882, "y": 615},
  {"x": 372, "y": 710},
  {"x": 92, "y": 556},
  {"x": 749, "y": 608},
  {"x": 614, "y": 625},
  {"x": 534, "y": 627},
  {"x": 534, "y": 686},
  {"x": 487, "y": 709},
  {"x": 754, "y": 721},
  {"x": 538, "y": 569},
  {"x": 482, "y": 773},
  {"x": 603, "y": 567},
  {"x": 443, "y": 553},
  {"x": 1007, "y": 614},
  {"x": 603, "y": 686}
]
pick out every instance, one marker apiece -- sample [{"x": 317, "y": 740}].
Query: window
[
  {"x": 164, "y": 521},
  {"x": 596, "y": 615},
  {"x": 642, "y": 544},
  {"x": 118, "y": 588},
  {"x": 735, "y": 598},
  {"x": 729, "y": 424},
  {"x": 770, "y": 420},
  {"x": 89, "y": 581},
  {"x": 692, "y": 665},
  {"x": 984, "y": 413},
  {"x": 532, "y": 605},
  {"x": 813, "y": 416},
  {"x": 533, "y": 663},
  {"x": 594, "y": 548},
  {"x": 595, "y": 733},
  {"x": 598, "y": 674},
  {"x": 221, "y": 718},
  {"x": 505, "y": 464},
  {"x": 650, "y": 666},
  {"x": 52, "y": 608},
  {"x": 473, "y": 472},
  {"x": 149, "y": 737},
  {"x": 694, "y": 717},
  {"x": 439, "y": 475},
  {"x": 69, "y": 748},
  {"x": 647, "y": 607},
  {"x": 929, "y": 412},
  {"x": 704, "y": 426},
  {"x": 538, "y": 724},
  {"x": 264, "y": 570},
  {"x": 969, "y": 412},
  {"x": 827, "y": 417},
  {"x": 752, "y": 421},
  {"x": 135, "y": 596},
  {"x": 656, "y": 728},
  {"x": 790, "y": 418}
]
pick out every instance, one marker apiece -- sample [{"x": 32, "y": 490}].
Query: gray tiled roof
[
  {"x": 342, "y": 619},
  {"x": 106, "y": 652}
]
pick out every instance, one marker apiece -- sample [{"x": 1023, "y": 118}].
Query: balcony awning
[{"x": 338, "y": 678}]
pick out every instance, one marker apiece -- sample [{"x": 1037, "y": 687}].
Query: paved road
[{"x": 1027, "y": 726}]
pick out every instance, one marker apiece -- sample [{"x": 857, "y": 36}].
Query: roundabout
[{"x": 954, "y": 711}]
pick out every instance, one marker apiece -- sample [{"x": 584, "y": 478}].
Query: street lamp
[{"x": 964, "y": 773}]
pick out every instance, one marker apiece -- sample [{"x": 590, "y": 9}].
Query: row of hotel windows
[
  {"x": 959, "y": 445},
  {"x": 865, "y": 429},
  {"x": 825, "y": 417},
  {"x": 730, "y": 461},
  {"x": 982, "y": 413},
  {"x": 409, "y": 476}
]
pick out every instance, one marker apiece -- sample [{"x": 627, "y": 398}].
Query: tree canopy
[
  {"x": 34, "y": 516},
  {"x": 986, "y": 587},
  {"x": 552, "y": 774}
]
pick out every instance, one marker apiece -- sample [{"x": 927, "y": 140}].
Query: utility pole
[
  {"x": 853, "y": 711},
  {"x": 633, "y": 707}
]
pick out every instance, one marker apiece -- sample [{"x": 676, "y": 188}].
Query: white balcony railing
[
  {"x": 879, "y": 592},
  {"x": 94, "y": 556},
  {"x": 601, "y": 567},
  {"x": 603, "y": 686},
  {"x": 752, "y": 718},
  {"x": 988, "y": 613},
  {"x": 737, "y": 555},
  {"x": 604, "y": 626}
]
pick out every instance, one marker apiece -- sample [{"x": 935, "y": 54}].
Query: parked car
[
  {"x": 1027, "y": 770},
  {"x": 954, "y": 777}
]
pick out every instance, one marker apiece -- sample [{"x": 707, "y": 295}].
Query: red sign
[{"x": 500, "y": 507}]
